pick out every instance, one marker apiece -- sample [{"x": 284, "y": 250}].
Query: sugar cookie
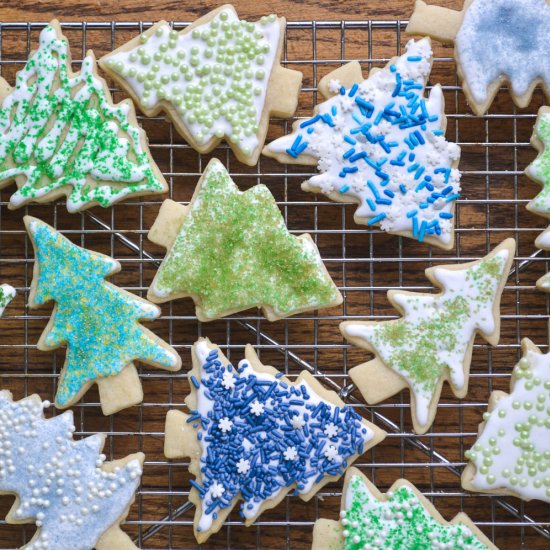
[
  {"x": 96, "y": 320},
  {"x": 219, "y": 78},
  {"x": 61, "y": 134},
  {"x": 254, "y": 435},
  {"x": 380, "y": 143},
  {"x": 496, "y": 42},
  {"x": 401, "y": 518},
  {"x": 512, "y": 453},
  {"x": 65, "y": 487},
  {"x": 432, "y": 341},
  {"x": 231, "y": 251}
]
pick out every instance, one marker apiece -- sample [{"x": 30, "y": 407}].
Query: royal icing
[
  {"x": 504, "y": 38},
  {"x": 97, "y": 320},
  {"x": 264, "y": 451},
  {"x": 7, "y": 294},
  {"x": 214, "y": 77},
  {"x": 401, "y": 520},
  {"x": 381, "y": 144},
  {"x": 234, "y": 251},
  {"x": 59, "y": 130},
  {"x": 61, "y": 483},
  {"x": 432, "y": 339},
  {"x": 513, "y": 451}
]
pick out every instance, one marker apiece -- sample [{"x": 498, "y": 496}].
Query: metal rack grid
[{"x": 364, "y": 263}]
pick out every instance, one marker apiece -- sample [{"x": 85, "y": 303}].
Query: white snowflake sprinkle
[
  {"x": 243, "y": 466},
  {"x": 334, "y": 86},
  {"x": 331, "y": 453},
  {"x": 291, "y": 453},
  {"x": 331, "y": 430},
  {"x": 297, "y": 422},
  {"x": 217, "y": 490},
  {"x": 225, "y": 424},
  {"x": 256, "y": 408},
  {"x": 228, "y": 381}
]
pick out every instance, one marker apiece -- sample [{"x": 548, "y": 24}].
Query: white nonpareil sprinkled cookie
[
  {"x": 496, "y": 42},
  {"x": 512, "y": 453},
  {"x": 254, "y": 435},
  {"x": 74, "y": 498},
  {"x": 218, "y": 78},
  {"x": 380, "y": 143},
  {"x": 432, "y": 341},
  {"x": 62, "y": 135},
  {"x": 401, "y": 518}
]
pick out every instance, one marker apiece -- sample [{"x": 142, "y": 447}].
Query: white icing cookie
[
  {"x": 496, "y": 42},
  {"x": 254, "y": 435},
  {"x": 218, "y": 78},
  {"x": 380, "y": 143},
  {"x": 432, "y": 341},
  {"x": 401, "y": 518},
  {"x": 512, "y": 453},
  {"x": 61, "y": 134},
  {"x": 74, "y": 498},
  {"x": 7, "y": 294}
]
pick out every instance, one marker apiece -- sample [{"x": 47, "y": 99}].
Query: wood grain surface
[{"x": 363, "y": 263}]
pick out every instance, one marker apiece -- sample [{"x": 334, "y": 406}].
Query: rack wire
[{"x": 364, "y": 263}]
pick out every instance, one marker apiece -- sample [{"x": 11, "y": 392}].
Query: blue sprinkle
[
  {"x": 377, "y": 219},
  {"x": 333, "y": 110},
  {"x": 195, "y": 382},
  {"x": 353, "y": 90},
  {"x": 310, "y": 121},
  {"x": 414, "y": 58},
  {"x": 373, "y": 188},
  {"x": 446, "y": 215},
  {"x": 389, "y": 193},
  {"x": 349, "y": 140},
  {"x": 344, "y": 189},
  {"x": 342, "y": 90},
  {"x": 348, "y": 153},
  {"x": 412, "y": 213},
  {"x": 371, "y": 204}
]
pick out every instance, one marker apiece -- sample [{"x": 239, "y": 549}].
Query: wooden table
[{"x": 493, "y": 208}]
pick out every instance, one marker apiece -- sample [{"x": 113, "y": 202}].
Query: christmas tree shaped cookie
[
  {"x": 254, "y": 435},
  {"x": 432, "y": 341},
  {"x": 218, "y": 78},
  {"x": 402, "y": 518},
  {"x": 7, "y": 294},
  {"x": 231, "y": 251},
  {"x": 61, "y": 134},
  {"x": 75, "y": 499},
  {"x": 496, "y": 42},
  {"x": 96, "y": 320},
  {"x": 380, "y": 143},
  {"x": 512, "y": 453}
]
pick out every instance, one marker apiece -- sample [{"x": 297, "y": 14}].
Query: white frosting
[
  {"x": 8, "y": 294},
  {"x": 436, "y": 330},
  {"x": 513, "y": 450},
  {"x": 218, "y": 96},
  {"x": 404, "y": 203}
]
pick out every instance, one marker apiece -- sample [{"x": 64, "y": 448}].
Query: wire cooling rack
[{"x": 364, "y": 263}]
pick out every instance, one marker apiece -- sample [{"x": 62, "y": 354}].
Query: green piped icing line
[
  {"x": 7, "y": 294},
  {"x": 58, "y": 130},
  {"x": 95, "y": 319},
  {"x": 399, "y": 523},
  {"x": 234, "y": 252},
  {"x": 540, "y": 168},
  {"x": 433, "y": 336}
]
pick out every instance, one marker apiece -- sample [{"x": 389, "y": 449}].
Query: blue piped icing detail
[{"x": 260, "y": 435}]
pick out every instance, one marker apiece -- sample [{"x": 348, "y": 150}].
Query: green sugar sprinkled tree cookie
[
  {"x": 231, "y": 251},
  {"x": 219, "y": 78},
  {"x": 432, "y": 341},
  {"x": 401, "y": 518},
  {"x": 7, "y": 294},
  {"x": 512, "y": 453},
  {"x": 97, "y": 321},
  {"x": 61, "y": 134}
]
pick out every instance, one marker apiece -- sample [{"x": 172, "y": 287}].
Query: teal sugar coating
[{"x": 97, "y": 320}]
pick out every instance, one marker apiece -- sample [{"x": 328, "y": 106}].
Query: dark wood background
[{"x": 364, "y": 263}]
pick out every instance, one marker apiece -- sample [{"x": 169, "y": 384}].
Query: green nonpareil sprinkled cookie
[
  {"x": 7, "y": 294},
  {"x": 432, "y": 342},
  {"x": 231, "y": 251},
  {"x": 216, "y": 79},
  {"x": 97, "y": 321},
  {"x": 60, "y": 134},
  {"x": 512, "y": 453},
  {"x": 401, "y": 519}
]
